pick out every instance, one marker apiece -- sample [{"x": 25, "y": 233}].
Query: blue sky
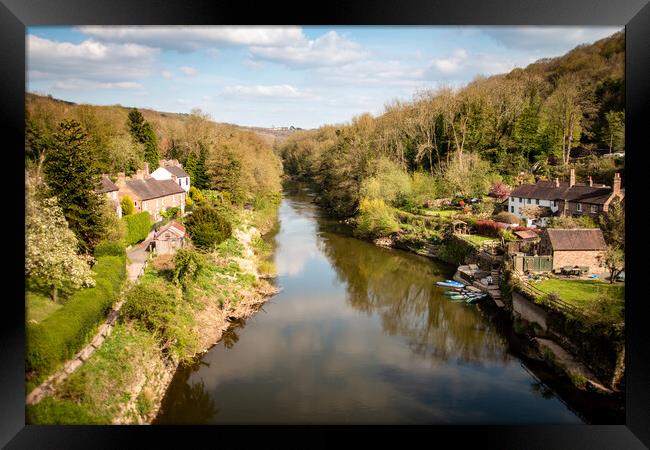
[{"x": 278, "y": 76}]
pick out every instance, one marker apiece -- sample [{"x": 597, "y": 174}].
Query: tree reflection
[
  {"x": 400, "y": 287},
  {"x": 185, "y": 403}
]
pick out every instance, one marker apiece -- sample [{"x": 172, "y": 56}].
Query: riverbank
[{"x": 125, "y": 380}]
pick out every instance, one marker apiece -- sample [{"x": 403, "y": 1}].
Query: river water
[{"x": 358, "y": 334}]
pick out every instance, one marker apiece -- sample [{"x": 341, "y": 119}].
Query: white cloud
[
  {"x": 88, "y": 60},
  {"x": 548, "y": 39},
  {"x": 460, "y": 63},
  {"x": 187, "y": 70},
  {"x": 81, "y": 84},
  {"x": 189, "y": 38},
  {"x": 329, "y": 49},
  {"x": 285, "y": 91},
  {"x": 167, "y": 74}
]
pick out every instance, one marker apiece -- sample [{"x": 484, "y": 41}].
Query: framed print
[{"x": 363, "y": 214}]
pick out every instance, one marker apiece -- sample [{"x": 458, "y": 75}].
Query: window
[
  {"x": 554, "y": 202},
  {"x": 519, "y": 199},
  {"x": 512, "y": 199},
  {"x": 528, "y": 201},
  {"x": 594, "y": 209},
  {"x": 537, "y": 201},
  {"x": 579, "y": 207},
  {"x": 512, "y": 209}
]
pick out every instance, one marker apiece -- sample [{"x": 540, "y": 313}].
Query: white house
[
  {"x": 172, "y": 170},
  {"x": 565, "y": 198},
  {"x": 110, "y": 189}
]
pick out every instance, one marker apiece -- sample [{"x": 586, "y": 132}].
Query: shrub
[
  {"x": 137, "y": 227},
  {"x": 172, "y": 213},
  {"x": 375, "y": 219},
  {"x": 485, "y": 208},
  {"x": 506, "y": 217},
  {"x": 488, "y": 228},
  {"x": 158, "y": 306},
  {"x": 208, "y": 227},
  {"x": 187, "y": 265},
  {"x": 63, "y": 333},
  {"x": 127, "y": 205},
  {"x": 195, "y": 195},
  {"x": 110, "y": 248}
]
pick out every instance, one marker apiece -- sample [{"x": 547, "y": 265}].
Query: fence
[
  {"x": 533, "y": 263},
  {"x": 540, "y": 296}
]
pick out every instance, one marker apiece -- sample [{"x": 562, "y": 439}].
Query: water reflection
[{"x": 360, "y": 334}]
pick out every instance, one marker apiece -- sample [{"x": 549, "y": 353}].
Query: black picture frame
[{"x": 15, "y": 15}]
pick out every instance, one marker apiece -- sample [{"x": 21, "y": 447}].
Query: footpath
[{"x": 137, "y": 257}]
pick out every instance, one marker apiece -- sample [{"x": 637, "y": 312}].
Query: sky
[{"x": 278, "y": 76}]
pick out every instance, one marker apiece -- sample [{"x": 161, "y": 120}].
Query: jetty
[{"x": 482, "y": 280}]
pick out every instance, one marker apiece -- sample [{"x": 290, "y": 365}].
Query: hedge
[
  {"x": 138, "y": 227},
  {"x": 62, "y": 334},
  {"x": 110, "y": 248}
]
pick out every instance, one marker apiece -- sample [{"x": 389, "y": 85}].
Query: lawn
[
  {"x": 476, "y": 239},
  {"x": 580, "y": 292},
  {"x": 38, "y": 306},
  {"x": 441, "y": 212}
]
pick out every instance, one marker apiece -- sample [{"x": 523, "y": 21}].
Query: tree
[
  {"x": 207, "y": 227},
  {"x": 143, "y": 133},
  {"x": 50, "y": 247},
  {"x": 615, "y": 129},
  {"x": 36, "y": 145},
  {"x": 500, "y": 190},
  {"x": 127, "y": 205},
  {"x": 614, "y": 261},
  {"x": 72, "y": 177},
  {"x": 613, "y": 225}
]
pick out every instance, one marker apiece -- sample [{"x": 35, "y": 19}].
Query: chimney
[
  {"x": 146, "y": 169},
  {"x": 557, "y": 182},
  {"x": 616, "y": 187},
  {"x": 572, "y": 178},
  {"x": 591, "y": 182}
]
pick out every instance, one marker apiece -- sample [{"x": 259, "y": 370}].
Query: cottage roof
[
  {"x": 151, "y": 188},
  {"x": 526, "y": 234},
  {"x": 176, "y": 170},
  {"x": 106, "y": 185},
  {"x": 579, "y": 192},
  {"x": 172, "y": 226},
  {"x": 576, "y": 239}
]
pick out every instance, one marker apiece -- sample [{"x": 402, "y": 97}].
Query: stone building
[
  {"x": 574, "y": 247},
  {"x": 149, "y": 194},
  {"x": 169, "y": 238},
  {"x": 110, "y": 189}
]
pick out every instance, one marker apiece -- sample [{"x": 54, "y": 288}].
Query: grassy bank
[{"x": 165, "y": 323}]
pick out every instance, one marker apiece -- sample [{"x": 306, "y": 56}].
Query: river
[{"x": 358, "y": 334}]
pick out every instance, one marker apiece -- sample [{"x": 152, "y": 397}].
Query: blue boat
[
  {"x": 476, "y": 298},
  {"x": 455, "y": 284}
]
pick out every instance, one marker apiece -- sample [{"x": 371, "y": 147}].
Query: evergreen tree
[
  {"x": 143, "y": 133},
  {"x": 200, "y": 177},
  {"x": 72, "y": 176}
]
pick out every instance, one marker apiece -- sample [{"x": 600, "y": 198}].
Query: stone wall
[
  {"x": 527, "y": 310},
  {"x": 579, "y": 258}
]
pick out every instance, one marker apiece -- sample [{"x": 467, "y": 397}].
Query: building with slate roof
[
  {"x": 110, "y": 189},
  {"x": 149, "y": 194},
  {"x": 172, "y": 170},
  {"x": 169, "y": 238},
  {"x": 574, "y": 247},
  {"x": 565, "y": 198}
]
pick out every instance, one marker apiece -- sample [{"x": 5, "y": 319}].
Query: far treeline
[{"x": 532, "y": 123}]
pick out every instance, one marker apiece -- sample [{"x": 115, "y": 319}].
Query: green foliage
[
  {"x": 172, "y": 213},
  {"x": 208, "y": 227},
  {"x": 143, "y": 133},
  {"x": 127, "y": 205},
  {"x": 613, "y": 225},
  {"x": 187, "y": 265},
  {"x": 138, "y": 227},
  {"x": 196, "y": 194},
  {"x": 53, "y": 411},
  {"x": 375, "y": 219},
  {"x": 72, "y": 176},
  {"x": 114, "y": 228},
  {"x": 110, "y": 248},
  {"x": 389, "y": 183},
  {"x": 158, "y": 307},
  {"x": 63, "y": 333}
]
